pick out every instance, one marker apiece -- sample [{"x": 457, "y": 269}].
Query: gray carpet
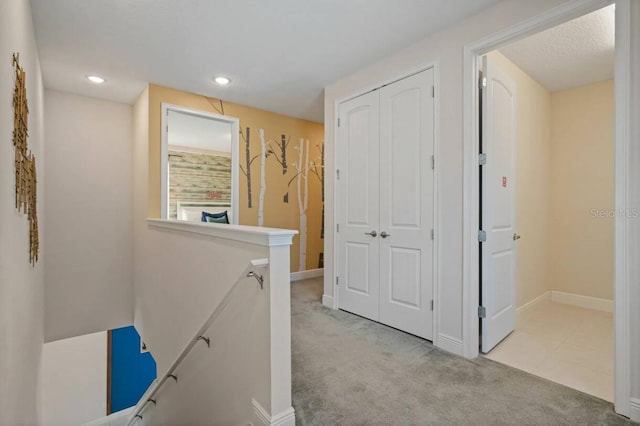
[{"x": 351, "y": 371}]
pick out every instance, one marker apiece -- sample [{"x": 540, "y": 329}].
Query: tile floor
[{"x": 565, "y": 344}]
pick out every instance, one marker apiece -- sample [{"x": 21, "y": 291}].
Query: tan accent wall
[
  {"x": 277, "y": 213},
  {"x": 582, "y": 140},
  {"x": 533, "y": 181}
]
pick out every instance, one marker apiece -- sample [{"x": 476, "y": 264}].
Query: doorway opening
[{"x": 546, "y": 203}]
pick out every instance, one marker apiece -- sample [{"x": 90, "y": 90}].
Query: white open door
[
  {"x": 498, "y": 261},
  {"x": 358, "y": 214},
  {"x": 406, "y": 204}
]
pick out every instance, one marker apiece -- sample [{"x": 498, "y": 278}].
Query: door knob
[
  {"x": 384, "y": 234},
  {"x": 516, "y": 237},
  {"x": 372, "y": 233}
]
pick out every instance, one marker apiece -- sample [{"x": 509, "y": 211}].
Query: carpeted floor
[{"x": 351, "y": 371}]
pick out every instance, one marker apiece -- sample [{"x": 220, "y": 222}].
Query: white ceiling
[
  {"x": 573, "y": 54},
  {"x": 278, "y": 53},
  {"x": 198, "y": 132}
]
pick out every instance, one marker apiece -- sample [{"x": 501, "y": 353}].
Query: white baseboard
[
  {"x": 531, "y": 303},
  {"x": 327, "y": 301},
  {"x": 310, "y": 273},
  {"x": 285, "y": 418},
  {"x": 450, "y": 344},
  {"x": 634, "y": 411},
  {"x": 582, "y": 301}
]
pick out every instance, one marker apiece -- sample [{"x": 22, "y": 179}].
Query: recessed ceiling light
[
  {"x": 222, "y": 80},
  {"x": 96, "y": 79}
]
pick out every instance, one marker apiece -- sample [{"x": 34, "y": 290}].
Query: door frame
[
  {"x": 435, "y": 65},
  {"x": 623, "y": 270}
]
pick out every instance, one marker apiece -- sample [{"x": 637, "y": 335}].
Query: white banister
[
  {"x": 186, "y": 294},
  {"x": 258, "y": 235}
]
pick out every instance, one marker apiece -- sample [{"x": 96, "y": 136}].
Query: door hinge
[
  {"x": 338, "y": 174},
  {"x": 338, "y": 121},
  {"x": 482, "y": 159},
  {"x": 433, "y": 162},
  {"x": 337, "y": 280},
  {"x": 482, "y": 82},
  {"x": 433, "y": 235},
  {"x": 482, "y": 312},
  {"x": 337, "y": 227},
  {"x": 432, "y": 304},
  {"x": 482, "y": 236},
  {"x": 433, "y": 91}
]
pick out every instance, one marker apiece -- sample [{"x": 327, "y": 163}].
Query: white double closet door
[{"x": 385, "y": 205}]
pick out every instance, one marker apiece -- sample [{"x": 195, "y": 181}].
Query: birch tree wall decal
[
  {"x": 263, "y": 181},
  {"x": 246, "y": 170},
  {"x": 282, "y": 158},
  {"x": 303, "y": 199},
  {"x": 320, "y": 175}
]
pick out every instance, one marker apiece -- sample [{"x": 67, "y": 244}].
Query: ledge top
[{"x": 250, "y": 234}]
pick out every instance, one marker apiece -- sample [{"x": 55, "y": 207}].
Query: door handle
[
  {"x": 384, "y": 234},
  {"x": 516, "y": 237},
  {"x": 372, "y": 233}
]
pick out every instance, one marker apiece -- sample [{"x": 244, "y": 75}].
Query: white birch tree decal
[
  {"x": 263, "y": 181},
  {"x": 303, "y": 199}
]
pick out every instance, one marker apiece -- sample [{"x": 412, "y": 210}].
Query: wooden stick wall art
[{"x": 25, "y": 162}]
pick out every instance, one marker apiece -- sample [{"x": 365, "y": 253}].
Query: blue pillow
[{"x": 215, "y": 217}]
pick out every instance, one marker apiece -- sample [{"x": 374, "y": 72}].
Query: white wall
[
  {"x": 21, "y": 285},
  {"x": 446, "y": 47},
  {"x": 89, "y": 267},
  {"x": 74, "y": 380}
]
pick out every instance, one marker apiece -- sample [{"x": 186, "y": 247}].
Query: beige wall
[
  {"x": 277, "y": 213},
  {"x": 87, "y": 215},
  {"x": 582, "y": 139},
  {"x": 533, "y": 180},
  {"x": 21, "y": 285},
  {"x": 74, "y": 380}
]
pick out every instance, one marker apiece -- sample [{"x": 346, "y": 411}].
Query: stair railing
[{"x": 252, "y": 270}]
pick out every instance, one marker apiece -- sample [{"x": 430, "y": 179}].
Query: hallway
[{"x": 349, "y": 371}]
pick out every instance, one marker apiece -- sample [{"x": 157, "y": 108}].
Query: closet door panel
[
  {"x": 406, "y": 204},
  {"x": 358, "y": 206}
]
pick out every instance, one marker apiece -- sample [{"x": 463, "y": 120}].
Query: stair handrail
[{"x": 148, "y": 397}]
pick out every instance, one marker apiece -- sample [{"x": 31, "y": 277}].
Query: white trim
[
  {"x": 582, "y": 301},
  {"x": 328, "y": 301},
  {"x": 309, "y": 273},
  {"x": 249, "y": 234},
  {"x": 623, "y": 269},
  {"x": 634, "y": 411},
  {"x": 533, "y": 302},
  {"x": 623, "y": 105},
  {"x": 164, "y": 153},
  {"x": 435, "y": 292},
  {"x": 285, "y": 418},
  {"x": 450, "y": 344}
]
